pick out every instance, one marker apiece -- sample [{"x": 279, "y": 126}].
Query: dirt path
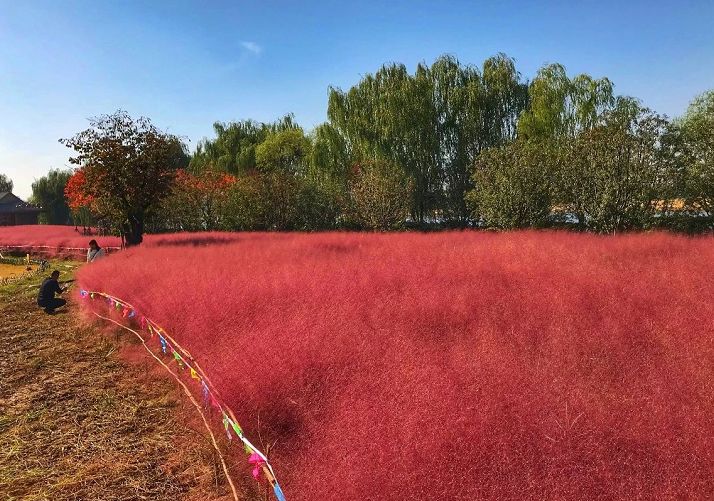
[{"x": 76, "y": 422}]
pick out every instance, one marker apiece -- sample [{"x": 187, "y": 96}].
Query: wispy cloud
[{"x": 252, "y": 47}]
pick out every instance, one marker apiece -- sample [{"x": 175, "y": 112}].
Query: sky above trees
[{"x": 187, "y": 65}]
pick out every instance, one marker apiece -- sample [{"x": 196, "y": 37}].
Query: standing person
[
  {"x": 46, "y": 298},
  {"x": 95, "y": 252}
]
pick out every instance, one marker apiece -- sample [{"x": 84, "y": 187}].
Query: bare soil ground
[
  {"x": 11, "y": 270},
  {"x": 78, "y": 422}
]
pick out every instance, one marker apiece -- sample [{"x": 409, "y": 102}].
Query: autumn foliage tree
[
  {"x": 196, "y": 202},
  {"x": 79, "y": 201},
  {"x": 128, "y": 166}
]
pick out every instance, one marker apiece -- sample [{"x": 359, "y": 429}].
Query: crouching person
[{"x": 46, "y": 298}]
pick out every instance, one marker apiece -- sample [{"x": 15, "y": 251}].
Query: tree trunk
[{"x": 135, "y": 233}]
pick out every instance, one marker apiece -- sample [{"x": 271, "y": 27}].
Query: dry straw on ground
[{"x": 76, "y": 422}]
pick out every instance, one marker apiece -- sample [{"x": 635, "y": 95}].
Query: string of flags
[{"x": 184, "y": 360}]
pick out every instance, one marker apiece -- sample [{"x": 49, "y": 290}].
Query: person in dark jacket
[{"x": 46, "y": 298}]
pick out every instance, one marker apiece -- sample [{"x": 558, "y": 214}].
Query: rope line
[
  {"x": 190, "y": 396},
  {"x": 210, "y": 393}
]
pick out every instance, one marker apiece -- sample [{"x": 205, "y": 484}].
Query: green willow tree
[
  {"x": 561, "y": 107},
  {"x": 286, "y": 151},
  {"x": 696, "y": 130},
  {"x": 233, "y": 150},
  {"x": 432, "y": 124},
  {"x": 48, "y": 193}
]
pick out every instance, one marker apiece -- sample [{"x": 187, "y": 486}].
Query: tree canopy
[
  {"x": 234, "y": 148},
  {"x": 432, "y": 124},
  {"x": 48, "y": 192},
  {"x": 128, "y": 166},
  {"x": 450, "y": 144}
]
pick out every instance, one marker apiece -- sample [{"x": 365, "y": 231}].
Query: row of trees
[
  {"x": 601, "y": 161},
  {"x": 449, "y": 144}
]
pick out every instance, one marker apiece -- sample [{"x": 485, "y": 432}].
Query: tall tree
[
  {"x": 128, "y": 165},
  {"x": 562, "y": 108},
  {"x": 389, "y": 116},
  {"x": 5, "y": 183},
  {"x": 697, "y": 149},
  {"x": 379, "y": 195},
  {"x": 612, "y": 174},
  {"x": 48, "y": 193},
  {"x": 233, "y": 149},
  {"x": 285, "y": 151},
  {"x": 513, "y": 185},
  {"x": 433, "y": 124},
  {"x": 330, "y": 158}
]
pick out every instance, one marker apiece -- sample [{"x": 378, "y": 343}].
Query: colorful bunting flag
[
  {"x": 178, "y": 358},
  {"x": 255, "y": 457},
  {"x": 204, "y": 390},
  {"x": 257, "y": 463},
  {"x": 236, "y": 427},
  {"x": 225, "y": 425}
]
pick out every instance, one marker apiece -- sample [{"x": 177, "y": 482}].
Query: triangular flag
[
  {"x": 237, "y": 428},
  {"x": 178, "y": 358},
  {"x": 225, "y": 425}
]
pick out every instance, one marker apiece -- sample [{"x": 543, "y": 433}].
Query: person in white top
[{"x": 95, "y": 252}]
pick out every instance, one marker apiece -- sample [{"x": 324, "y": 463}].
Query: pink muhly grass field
[
  {"x": 450, "y": 365},
  {"x": 51, "y": 240}
]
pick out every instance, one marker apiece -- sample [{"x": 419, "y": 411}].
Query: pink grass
[
  {"x": 452, "y": 365},
  {"x": 50, "y": 240}
]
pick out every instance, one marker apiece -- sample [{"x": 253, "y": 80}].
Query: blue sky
[{"x": 188, "y": 64}]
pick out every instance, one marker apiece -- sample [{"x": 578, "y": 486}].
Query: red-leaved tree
[
  {"x": 128, "y": 167},
  {"x": 196, "y": 202}
]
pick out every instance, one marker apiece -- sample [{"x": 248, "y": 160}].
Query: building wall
[
  {"x": 26, "y": 218},
  {"x": 15, "y": 219}
]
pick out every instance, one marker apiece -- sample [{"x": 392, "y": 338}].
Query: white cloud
[{"x": 252, "y": 47}]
